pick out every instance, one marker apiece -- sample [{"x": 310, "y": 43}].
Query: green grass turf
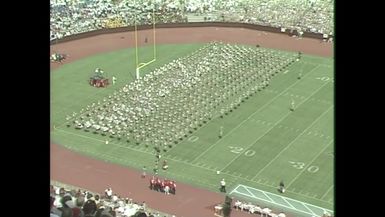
[{"x": 263, "y": 141}]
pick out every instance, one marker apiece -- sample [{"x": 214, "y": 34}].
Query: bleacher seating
[
  {"x": 77, "y": 16},
  {"x": 67, "y": 199}
]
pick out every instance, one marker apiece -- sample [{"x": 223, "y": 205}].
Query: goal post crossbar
[
  {"x": 138, "y": 65},
  {"x": 141, "y": 65}
]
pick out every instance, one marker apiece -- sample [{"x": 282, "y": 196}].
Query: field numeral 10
[{"x": 301, "y": 165}]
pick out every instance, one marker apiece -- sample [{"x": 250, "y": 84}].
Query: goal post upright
[
  {"x": 138, "y": 65},
  {"x": 136, "y": 40},
  {"x": 137, "y": 73},
  {"x": 153, "y": 29}
]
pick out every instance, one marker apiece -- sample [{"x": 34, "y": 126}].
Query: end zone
[{"x": 274, "y": 200}]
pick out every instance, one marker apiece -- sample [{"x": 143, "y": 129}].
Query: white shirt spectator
[
  {"x": 114, "y": 198},
  {"x": 108, "y": 192},
  {"x": 57, "y": 202}
]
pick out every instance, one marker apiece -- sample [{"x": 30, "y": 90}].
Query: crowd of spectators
[
  {"x": 70, "y": 17},
  {"x": 301, "y": 15},
  {"x": 73, "y": 202},
  {"x": 68, "y": 201},
  {"x": 176, "y": 99}
]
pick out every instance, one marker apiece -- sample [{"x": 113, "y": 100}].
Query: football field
[{"x": 264, "y": 142}]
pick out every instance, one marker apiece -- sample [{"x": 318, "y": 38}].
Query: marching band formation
[{"x": 164, "y": 106}]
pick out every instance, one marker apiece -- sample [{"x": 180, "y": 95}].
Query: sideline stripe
[
  {"x": 315, "y": 121},
  {"x": 327, "y": 191},
  {"x": 190, "y": 164},
  {"x": 309, "y": 164}
]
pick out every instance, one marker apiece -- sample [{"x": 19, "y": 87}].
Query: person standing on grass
[
  {"x": 299, "y": 75},
  {"x": 165, "y": 165},
  {"x": 113, "y": 80},
  {"x": 282, "y": 187},
  {"x": 223, "y": 186},
  {"x": 300, "y": 71},
  {"x": 98, "y": 71},
  {"x": 221, "y": 132},
  {"x": 156, "y": 169},
  {"x": 292, "y": 105}
]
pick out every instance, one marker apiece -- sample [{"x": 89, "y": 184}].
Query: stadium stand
[
  {"x": 73, "y": 17},
  {"x": 72, "y": 201},
  {"x": 241, "y": 72}
]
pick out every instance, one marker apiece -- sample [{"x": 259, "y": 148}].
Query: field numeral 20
[
  {"x": 301, "y": 165},
  {"x": 238, "y": 150}
]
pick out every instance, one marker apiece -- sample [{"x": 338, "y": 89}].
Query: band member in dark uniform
[{"x": 282, "y": 187}]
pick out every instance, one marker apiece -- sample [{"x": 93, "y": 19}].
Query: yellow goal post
[{"x": 138, "y": 65}]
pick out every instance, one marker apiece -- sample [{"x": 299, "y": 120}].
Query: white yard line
[
  {"x": 235, "y": 189},
  {"x": 240, "y": 124},
  {"x": 298, "y": 134},
  {"x": 270, "y": 197},
  {"x": 310, "y": 211},
  {"x": 68, "y": 111},
  {"x": 278, "y": 204},
  {"x": 288, "y": 203},
  {"x": 327, "y": 191},
  {"x": 255, "y": 141},
  {"x": 300, "y": 96},
  {"x": 190, "y": 164},
  {"x": 251, "y": 194},
  {"x": 276, "y": 123},
  {"x": 321, "y": 64},
  {"x": 286, "y": 198},
  {"x": 304, "y": 169},
  {"x": 103, "y": 141}
]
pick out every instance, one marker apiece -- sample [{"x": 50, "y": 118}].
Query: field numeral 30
[{"x": 301, "y": 165}]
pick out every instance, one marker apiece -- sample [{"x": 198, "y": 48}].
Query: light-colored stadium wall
[{"x": 184, "y": 25}]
